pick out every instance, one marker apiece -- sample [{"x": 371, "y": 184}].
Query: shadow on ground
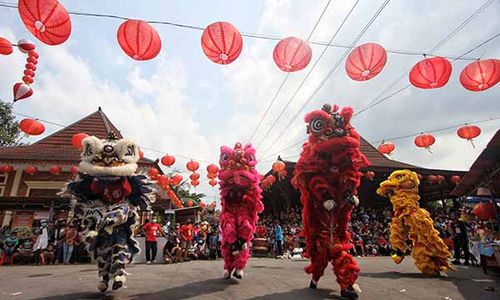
[{"x": 300, "y": 294}]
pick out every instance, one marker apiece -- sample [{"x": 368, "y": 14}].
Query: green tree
[{"x": 9, "y": 130}]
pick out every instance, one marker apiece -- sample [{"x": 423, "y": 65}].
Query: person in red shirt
[
  {"x": 151, "y": 230},
  {"x": 186, "y": 235}
]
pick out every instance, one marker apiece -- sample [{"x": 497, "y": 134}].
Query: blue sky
[{"x": 182, "y": 103}]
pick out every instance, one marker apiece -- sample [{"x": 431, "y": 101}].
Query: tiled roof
[
  {"x": 57, "y": 147},
  {"x": 378, "y": 160}
]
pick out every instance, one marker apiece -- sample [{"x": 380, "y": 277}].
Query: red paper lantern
[
  {"x": 139, "y": 40},
  {"x": 221, "y": 42},
  {"x": 202, "y": 204},
  {"x": 6, "y": 169},
  {"x": 168, "y": 160},
  {"x": 141, "y": 154},
  {"x": 455, "y": 179},
  {"x": 279, "y": 166},
  {"x": 431, "y": 73},
  {"x": 190, "y": 203},
  {"x": 480, "y": 75},
  {"x": 484, "y": 211},
  {"x": 432, "y": 179},
  {"x": 365, "y": 61},
  {"x": 211, "y": 168},
  {"x": 55, "y": 170},
  {"x": 176, "y": 179},
  {"x": 162, "y": 180},
  {"x": 195, "y": 182},
  {"x": 420, "y": 177},
  {"x": 212, "y": 182},
  {"x": 47, "y": 20},
  {"x": 153, "y": 173},
  {"x": 31, "y": 127},
  {"x": 30, "y": 170},
  {"x": 21, "y": 91},
  {"x": 282, "y": 174},
  {"x": 271, "y": 179},
  {"x": 425, "y": 141},
  {"x": 5, "y": 46},
  {"x": 386, "y": 148},
  {"x": 194, "y": 176},
  {"x": 370, "y": 175},
  {"x": 440, "y": 179},
  {"x": 292, "y": 54},
  {"x": 74, "y": 170},
  {"x": 25, "y": 46},
  {"x": 211, "y": 175},
  {"x": 192, "y": 166},
  {"x": 76, "y": 139}
]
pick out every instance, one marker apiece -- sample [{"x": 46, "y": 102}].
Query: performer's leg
[
  {"x": 346, "y": 269},
  {"x": 319, "y": 261},
  {"x": 148, "y": 247},
  {"x": 228, "y": 226},
  {"x": 117, "y": 269},
  {"x": 240, "y": 262},
  {"x": 103, "y": 274},
  {"x": 227, "y": 255},
  {"x": 154, "y": 248}
]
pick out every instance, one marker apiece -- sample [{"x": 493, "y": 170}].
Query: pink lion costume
[
  {"x": 327, "y": 175},
  {"x": 241, "y": 202}
]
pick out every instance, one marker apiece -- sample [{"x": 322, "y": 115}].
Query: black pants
[
  {"x": 461, "y": 243},
  {"x": 280, "y": 247},
  {"x": 151, "y": 248}
]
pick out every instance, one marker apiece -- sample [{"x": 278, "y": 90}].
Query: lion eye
[
  {"x": 88, "y": 150},
  {"x": 317, "y": 125},
  {"x": 130, "y": 150},
  {"x": 398, "y": 177}
]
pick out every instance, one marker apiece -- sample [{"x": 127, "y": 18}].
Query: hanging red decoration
[
  {"x": 279, "y": 166},
  {"x": 386, "y": 148},
  {"x": 190, "y": 203},
  {"x": 5, "y": 46},
  {"x": 195, "y": 183},
  {"x": 365, "y": 61},
  {"x": 271, "y": 179},
  {"x": 194, "y": 176},
  {"x": 431, "y": 73},
  {"x": 30, "y": 170},
  {"x": 202, "y": 204},
  {"x": 168, "y": 160},
  {"x": 47, "y": 20},
  {"x": 292, "y": 54},
  {"x": 440, "y": 179},
  {"x": 455, "y": 179},
  {"x": 76, "y": 139},
  {"x": 282, "y": 174},
  {"x": 55, "y": 170},
  {"x": 211, "y": 175},
  {"x": 432, "y": 179},
  {"x": 6, "y": 169},
  {"x": 153, "y": 173},
  {"x": 221, "y": 42},
  {"x": 25, "y": 46},
  {"x": 74, "y": 170},
  {"x": 141, "y": 154},
  {"x": 370, "y": 175},
  {"x": 420, "y": 177},
  {"x": 211, "y": 168},
  {"x": 176, "y": 179},
  {"x": 212, "y": 182},
  {"x": 484, "y": 211},
  {"x": 162, "y": 180},
  {"x": 469, "y": 132},
  {"x": 425, "y": 141},
  {"x": 139, "y": 40},
  {"x": 31, "y": 127},
  {"x": 481, "y": 75},
  {"x": 192, "y": 165},
  {"x": 22, "y": 91},
  {"x": 213, "y": 205}
]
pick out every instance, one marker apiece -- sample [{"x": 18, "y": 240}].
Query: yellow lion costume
[{"x": 414, "y": 223}]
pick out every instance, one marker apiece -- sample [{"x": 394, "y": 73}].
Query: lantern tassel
[
  {"x": 429, "y": 149},
  {"x": 472, "y": 143}
]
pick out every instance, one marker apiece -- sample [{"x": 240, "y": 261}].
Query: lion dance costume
[
  {"x": 241, "y": 202},
  {"x": 327, "y": 176},
  {"x": 412, "y": 222},
  {"x": 106, "y": 195}
]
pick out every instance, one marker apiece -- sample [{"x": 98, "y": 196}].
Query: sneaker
[
  {"x": 226, "y": 274},
  {"x": 148, "y": 262},
  {"x": 313, "y": 285},
  {"x": 154, "y": 261},
  {"x": 238, "y": 274},
  {"x": 349, "y": 293}
]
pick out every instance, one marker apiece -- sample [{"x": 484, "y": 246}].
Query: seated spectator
[{"x": 11, "y": 244}]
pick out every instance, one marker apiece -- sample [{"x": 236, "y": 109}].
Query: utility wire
[
  {"x": 330, "y": 73},
  {"x": 245, "y": 34},
  {"x": 286, "y": 77},
  {"x": 307, "y": 75}
]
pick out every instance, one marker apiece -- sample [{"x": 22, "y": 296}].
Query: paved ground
[{"x": 266, "y": 279}]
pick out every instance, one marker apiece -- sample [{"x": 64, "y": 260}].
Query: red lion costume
[
  {"x": 241, "y": 202},
  {"x": 327, "y": 176}
]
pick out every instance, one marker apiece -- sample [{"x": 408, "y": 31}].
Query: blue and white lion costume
[{"x": 106, "y": 194}]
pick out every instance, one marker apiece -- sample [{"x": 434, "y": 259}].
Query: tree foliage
[{"x": 9, "y": 130}]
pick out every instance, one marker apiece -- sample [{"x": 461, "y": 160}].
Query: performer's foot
[
  {"x": 238, "y": 274},
  {"x": 102, "y": 286},
  {"x": 313, "y": 284},
  {"x": 226, "y": 274},
  {"x": 456, "y": 262},
  {"x": 397, "y": 258},
  {"x": 349, "y": 293},
  {"x": 118, "y": 282}
]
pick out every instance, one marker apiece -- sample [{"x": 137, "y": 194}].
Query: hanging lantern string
[
  {"x": 270, "y": 157},
  {"x": 286, "y": 77},
  {"x": 322, "y": 83},
  {"x": 408, "y": 85},
  {"x": 146, "y": 148},
  {"x": 246, "y": 34}
]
